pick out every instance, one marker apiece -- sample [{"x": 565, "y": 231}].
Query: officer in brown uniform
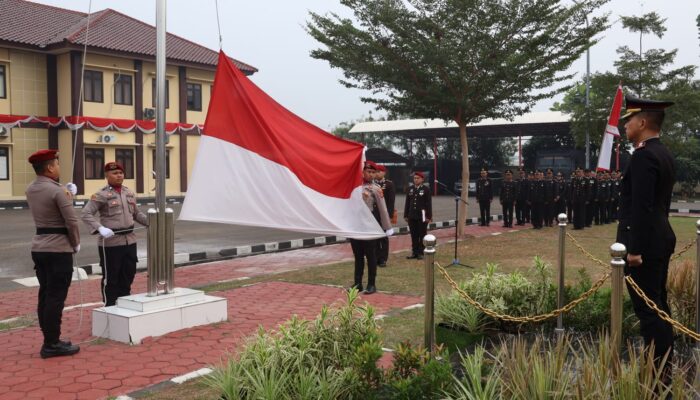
[
  {"x": 117, "y": 242},
  {"x": 387, "y": 187},
  {"x": 57, "y": 239}
]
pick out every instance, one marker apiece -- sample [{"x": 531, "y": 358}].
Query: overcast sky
[{"x": 270, "y": 35}]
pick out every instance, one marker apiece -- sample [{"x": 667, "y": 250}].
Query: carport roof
[{"x": 548, "y": 123}]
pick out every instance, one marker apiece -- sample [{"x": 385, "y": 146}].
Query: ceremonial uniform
[
  {"x": 387, "y": 187},
  {"x": 549, "y": 208},
  {"x": 602, "y": 197},
  {"x": 537, "y": 198},
  {"x": 579, "y": 194},
  {"x": 484, "y": 195},
  {"x": 117, "y": 211},
  {"x": 562, "y": 189},
  {"x": 418, "y": 210},
  {"x": 509, "y": 192},
  {"x": 591, "y": 188},
  {"x": 615, "y": 186},
  {"x": 523, "y": 187},
  {"x": 57, "y": 238},
  {"x": 644, "y": 228}
]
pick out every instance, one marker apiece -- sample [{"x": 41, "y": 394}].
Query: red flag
[{"x": 611, "y": 132}]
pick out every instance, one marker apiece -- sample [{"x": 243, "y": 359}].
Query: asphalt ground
[{"x": 17, "y": 230}]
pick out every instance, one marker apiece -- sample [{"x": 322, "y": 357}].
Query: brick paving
[{"x": 106, "y": 368}]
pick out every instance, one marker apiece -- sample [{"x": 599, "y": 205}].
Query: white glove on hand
[
  {"x": 76, "y": 249},
  {"x": 105, "y": 232},
  {"x": 389, "y": 231},
  {"x": 72, "y": 188}
]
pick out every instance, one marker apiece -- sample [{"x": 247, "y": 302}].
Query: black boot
[{"x": 58, "y": 349}]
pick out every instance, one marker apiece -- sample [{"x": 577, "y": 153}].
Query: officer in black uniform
[
  {"x": 579, "y": 195},
  {"x": 601, "y": 203},
  {"x": 528, "y": 209},
  {"x": 549, "y": 198},
  {"x": 522, "y": 186},
  {"x": 570, "y": 197},
  {"x": 484, "y": 195},
  {"x": 507, "y": 196},
  {"x": 537, "y": 197},
  {"x": 560, "y": 200},
  {"x": 591, "y": 188},
  {"x": 418, "y": 211},
  {"x": 615, "y": 186},
  {"x": 387, "y": 187},
  {"x": 644, "y": 228}
]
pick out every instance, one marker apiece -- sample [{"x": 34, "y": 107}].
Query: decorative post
[
  {"x": 429, "y": 333},
  {"x": 618, "y": 252},
  {"x": 697, "y": 282},
  {"x": 560, "y": 295}
]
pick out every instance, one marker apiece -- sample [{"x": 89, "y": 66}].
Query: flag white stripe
[
  {"x": 231, "y": 184},
  {"x": 605, "y": 151}
]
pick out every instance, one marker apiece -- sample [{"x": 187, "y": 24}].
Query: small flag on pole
[{"x": 611, "y": 132}]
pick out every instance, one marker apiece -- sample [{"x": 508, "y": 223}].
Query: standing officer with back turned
[
  {"x": 57, "y": 239},
  {"x": 117, "y": 207},
  {"x": 644, "y": 227}
]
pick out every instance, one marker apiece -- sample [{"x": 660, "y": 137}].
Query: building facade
[{"x": 44, "y": 64}]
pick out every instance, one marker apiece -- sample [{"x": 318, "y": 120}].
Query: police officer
[
  {"x": 615, "y": 186},
  {"x": 484, "y": 195},
  {"x": 522, "y": 186},
  {"x": 57, "y": 239},
  {"x": 570, "y": 197},
  {"x": 531, "y": 182},
  {"x": 591, "y": 188},
  {"x": 389, "y": 191},
  {"x": 601, "y": 202},
  {"x": 579, "y": 196},
  {"x": 418, "y": 211},
  {"x": 562, "y": 188},
  {"x": 644, "y": 227},
  {"x": 507, "y": 196},
  {"x": 117, "y": 207},
  {"x": 537, "y": 197},
  {"x": 550, "y": 195}
]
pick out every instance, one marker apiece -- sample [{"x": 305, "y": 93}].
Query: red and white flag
[
  {"x": 611, "y": 132},
  {"x": 258, "y": 164}
]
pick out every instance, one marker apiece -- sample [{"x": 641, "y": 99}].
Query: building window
[
  {"x": 4, "y": 163},
  {"x": 92, "y": 86},
  {"x": 167, "y": 92},
  {"x": 194, "y": 97},
  {"x": 167, "y": 163},
  {"x": 122, "y": 89},
  {"x": 94, "y": 163},
  {"x": 3, "y": 87},
  {"x": 125, "y": 157}
]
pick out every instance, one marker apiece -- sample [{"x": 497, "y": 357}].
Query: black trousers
[
  {"x": 527, "y": 212},
  {"x": 548, "y": 212},
  {"x": 54, "y": 272},
  {"x": 579, "y": 211},
  {"x": 570, "y": 211},
  {"x": 382, "y": 250},
  {"x": 651, "y": 277},
  {"x": 418, "y": 230},
  {"x": 520, "y": 207},
  {"x": 119, "y": 272},
  {"x": 485, "y": 210},
  {"x": 365, "y": 249},
  {"x": 590, "y": 212},
  {"x": 612, "y": 210},
  {"x": 508, "y": 213},
  {"x": 537, "y": 214},
  {"x": 601, "y": 213}
]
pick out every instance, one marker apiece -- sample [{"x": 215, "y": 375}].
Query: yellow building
[{"x": 41, "y": 65}]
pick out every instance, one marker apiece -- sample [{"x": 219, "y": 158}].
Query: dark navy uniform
[
  {"x": 387, "y": 187},
  {"x": 579, "y": 194},
  {"x": 523, "y": 187},
  {"x": 602, "y": 197},
  {"x": 484, "y": 195},
  {"x": 509, "y": 192},
  {"x": 418, "y": 210},
  {"x": 537, "y": 198},
  {"x": 645, "y": 200},
  {"x": 562, "y": 188},
  {"x": 615, "y": 186},
  {"x": 591, "y": 188},
  {"x": 549, "y": 208}
]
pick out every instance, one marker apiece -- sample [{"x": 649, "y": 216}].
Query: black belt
[
  {"x": 123, "y": 231},
  {"x": 51, "y": 231}
]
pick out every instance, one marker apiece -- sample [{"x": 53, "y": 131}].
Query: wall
[
  {"x": 206, "y": 79},
  {"x": 110, "y": 68}
]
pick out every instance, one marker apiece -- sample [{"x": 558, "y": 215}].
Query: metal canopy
[{"x": 531, "y": 124}]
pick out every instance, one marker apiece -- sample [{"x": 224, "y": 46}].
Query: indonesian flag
[
  {"x": 258, "y": 164},
  {"x": 611, "y": 132}
]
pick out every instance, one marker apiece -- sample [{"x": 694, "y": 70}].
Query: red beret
[
  {"x": 371, "y": 165},
  {"x": 419, "y": 173},
  {"x": 43, "y": 155},
  {"x": 380, "y": 167},
  {"x": 113, "y": 166}
]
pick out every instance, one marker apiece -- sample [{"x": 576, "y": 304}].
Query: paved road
[{"x": 16, "y": 230}]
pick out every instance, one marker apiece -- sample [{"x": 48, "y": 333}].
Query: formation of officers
[{"x": 586, "y": 197}]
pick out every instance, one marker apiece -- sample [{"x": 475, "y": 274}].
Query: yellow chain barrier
[
  {"x": 505, "y": 317},
  {"x": 683, "y": 250},
  {"x": 586, "y": 253},
  {"x": 650, "y": 303}
]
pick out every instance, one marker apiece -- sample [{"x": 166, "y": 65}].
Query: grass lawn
[{"x": 511, "y": 251}]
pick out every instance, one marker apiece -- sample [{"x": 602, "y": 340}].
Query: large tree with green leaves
[{"x": 456, "y": 60}]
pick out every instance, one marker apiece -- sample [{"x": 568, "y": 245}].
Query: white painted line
[
  {"x": 684, "y": 210},
  {"x": 243, "y": 250},
  {"x": 414, "y": 306},
  {"x": 297, "y": 243},
  {"x": 274, "y": 246},
  {"x": 340, "y": 239},
  {"x": 7, "y": 321},
  {"x": 243, "y": 278},
  {"x": 380, "y": 317},
  {"x": 320, "y": 240},
  {"x": 99, "y": 303},
  {"x": 387, "y": 350},
  {"x": 79, "y": 274},
  {"x": 17, "y": 208},
  {"x": 496, "y": 233},
  {"x": 2, "y": 208},
  {"x": 124, "y": 397},
  {"x": 194, "y": 374},
  {"x": 682, "y": 201}
]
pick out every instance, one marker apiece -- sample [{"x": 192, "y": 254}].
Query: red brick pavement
[{"x": 108, "y": 368}]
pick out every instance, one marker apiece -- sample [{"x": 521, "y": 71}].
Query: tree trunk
[{"x": 463, "y": 214}]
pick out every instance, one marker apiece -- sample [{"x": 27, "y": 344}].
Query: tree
[{"x": 456, "y": 60}]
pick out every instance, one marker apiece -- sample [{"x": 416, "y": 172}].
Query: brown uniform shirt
[
  {"x": 52, "y": 207},
  {"x": 118, "y": 211},
  {"x": 374, "y": 199}
]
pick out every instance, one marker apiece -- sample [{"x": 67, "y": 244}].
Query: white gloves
[
  {"x": 76, "y": 249},
  {"x": 72, "y": 188},
  {"x": 389, "y": 231},
  {"x": 105, "y": 232}
]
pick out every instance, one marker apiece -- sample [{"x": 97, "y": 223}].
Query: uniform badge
[{"x": 420, "y": 193}]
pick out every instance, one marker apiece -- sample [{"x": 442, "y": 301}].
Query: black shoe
[
  {"x": 411, "y": 257},
  {"x": 382, "y": 265},
  {"x": 58, "y": 349},
  {"x": 65, "y": 342},
  {"x": 371, "y": 289},
  {"x": 355, "y": 286},
  {"x": 419, "y": 257}
]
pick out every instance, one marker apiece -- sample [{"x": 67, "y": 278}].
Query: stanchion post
[
  {"x": 560, "y": 295},
  {"x": 429, "y": 256},
  {"x": 618, "y": 252},
  {"x": 697, "y": 282},
  {"x": 169, "y": 274},
  {"x": 152, "y": 244}
]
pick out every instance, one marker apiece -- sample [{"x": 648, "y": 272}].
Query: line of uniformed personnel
[{"x": 538, "y": 197}]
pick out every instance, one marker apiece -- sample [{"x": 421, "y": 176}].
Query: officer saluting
[
  {"x": 418, "y": 211},
  {"x": 644, "y": 228},
  {"x": 57, "y": 239},
  {"x": 484, "y": 195},
  {"x": 117, "y": 242}
]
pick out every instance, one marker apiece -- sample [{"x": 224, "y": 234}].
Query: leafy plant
[{"x": 681, "y": 292}]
